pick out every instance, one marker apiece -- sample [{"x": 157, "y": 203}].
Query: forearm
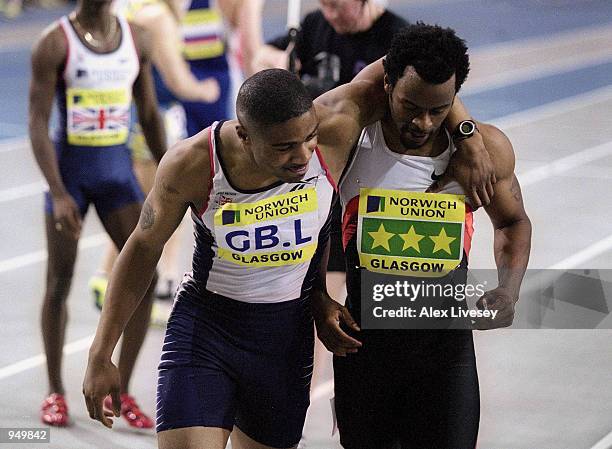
[
  {"x": 169, "y": 61},
  {"x": 512, "y": 247},
  {"x": 181, "y": 82},
  {"x": 44, "y": 152},
  {"x": 154, "y": 132},
  {"x": 129, "y": 281},
  {"x": 456, "y": 115}
]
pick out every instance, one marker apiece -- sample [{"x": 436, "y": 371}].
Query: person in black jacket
[{"x": 335, "y": 42}]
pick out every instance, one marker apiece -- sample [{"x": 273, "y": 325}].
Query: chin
[
  {"x": 290, "y": 177},
  {"x": 411, "y": 144}
]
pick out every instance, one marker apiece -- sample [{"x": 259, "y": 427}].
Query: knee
[{"x": 58, "y": 287}]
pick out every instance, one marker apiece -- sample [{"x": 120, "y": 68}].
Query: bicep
[
  {"x": 181, "y": 179},
  {"x": 162, "y": 212},
  {"x": 506, "y": 206}
]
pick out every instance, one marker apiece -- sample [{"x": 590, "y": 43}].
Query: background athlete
[
  {"x": 417, "y": 388},
  {"x": 238, "y": 350},
  {"x": 173, "y": 80},
  {"x": 93, "y": 62}
]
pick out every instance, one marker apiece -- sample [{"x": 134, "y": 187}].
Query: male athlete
[
  {"x": 417, "y": 388},
  {"x": 238, "y": 350},
  {"x": 93, "y": 62}
]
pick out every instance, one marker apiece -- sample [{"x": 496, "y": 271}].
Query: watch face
[{"x": 466, "y": 128}]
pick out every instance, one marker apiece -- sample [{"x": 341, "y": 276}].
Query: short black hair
[
  {"x": 272, "y": 96},
  {"x": 434, "y": 52}
]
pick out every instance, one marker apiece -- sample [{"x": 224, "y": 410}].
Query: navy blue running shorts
[
  {"x": 99, "y": 176},
  {"x": 226, "y": 363}
]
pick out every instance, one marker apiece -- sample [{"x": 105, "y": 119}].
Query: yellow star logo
[
  {"x": 442, "y": 241},
  {"x": 411, "y": 239},
  {"x": 381, "y": 238}
]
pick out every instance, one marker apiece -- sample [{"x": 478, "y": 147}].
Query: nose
[
  {"x": 302, "y": 154},
  {"x": 423, "y": 121}
]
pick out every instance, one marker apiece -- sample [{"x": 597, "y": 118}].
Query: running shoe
[
  {"x": 97, "y": 285},
  {"x": 54, "y": 411},
  {"x": 165, "y": 289},
  {"x": 131, "y": 412},
  {"x": 160, "y": 313}
]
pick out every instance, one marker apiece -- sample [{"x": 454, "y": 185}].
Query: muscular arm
[
  {"x": 344, "y": 111},
  {"x": 512, "y": 241},
  {"x": 181, "y": 180},
  {"x": 145, "y": 98},
  {"x": 48, "y": 57}
]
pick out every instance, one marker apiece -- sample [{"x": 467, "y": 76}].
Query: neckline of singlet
[
  {"x": 407, "y": 157},
  {"x": 91, "y": 50},
  {"x": 224, "y": 171}
]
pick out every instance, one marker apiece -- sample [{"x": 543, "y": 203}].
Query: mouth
[
  {"x": 298, "y": 169},
  {"x": 417, "y": 135}
]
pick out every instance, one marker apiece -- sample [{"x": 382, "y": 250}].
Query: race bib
[
  {"x": 98, "y": 118},
  {"x": 410, "y": 233},
  {"x": 277, "y": 231}
]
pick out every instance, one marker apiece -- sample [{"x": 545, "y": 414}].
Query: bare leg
[
  {"x": 110, "y": 255},
  {"x": 240, "y": 440},
  {"x": 62, "y": 250},
  {"x": 119, "y": 225},
  {"x": 193, "y": 438}
]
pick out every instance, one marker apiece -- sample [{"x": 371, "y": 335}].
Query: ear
[
  {"x": 388, "y": 87},
  {"x": 242, "y": 134}
]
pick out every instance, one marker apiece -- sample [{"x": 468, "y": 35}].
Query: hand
[
  {"x": 210, "y": 91},
  {"x": 328, "y": 314},
  {"x": 102, "y": 379},
  {"x": 500, "y": 299},
  {"x": 471, "y": 167},
  {"x": 67, "y": 215}
]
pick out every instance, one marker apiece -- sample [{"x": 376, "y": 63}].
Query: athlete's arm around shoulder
[
  {"x": 344, "y": 111},
  {"x": 512, "y": 238},
  {"x": 144, "y": 95}
]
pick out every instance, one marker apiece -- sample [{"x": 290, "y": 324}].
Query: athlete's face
[
  {"x": 342, "y": 15},
  {"x": 418, "y": 108},
  {"x": 284, "y": 150}
]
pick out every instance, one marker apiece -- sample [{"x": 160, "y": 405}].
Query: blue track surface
[{"x": 480, "y": 22}]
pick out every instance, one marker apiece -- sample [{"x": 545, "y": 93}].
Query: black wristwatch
[{"x": 464, "y": 130}]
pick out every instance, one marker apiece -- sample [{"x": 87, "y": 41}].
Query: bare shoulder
[
  {"x": 500, "y": 150},
  {"x": 146, "y": 16},
  {"x": 51, "y": 48},
  {"x": 142, "y": 40},
  {"x": 185, "y": 168},
  {"x": 356, "y": 99}
]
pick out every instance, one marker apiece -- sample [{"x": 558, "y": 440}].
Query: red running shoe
[
  {"x": 54, "y": 411},
  {"x": 131, "y": 412}
]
